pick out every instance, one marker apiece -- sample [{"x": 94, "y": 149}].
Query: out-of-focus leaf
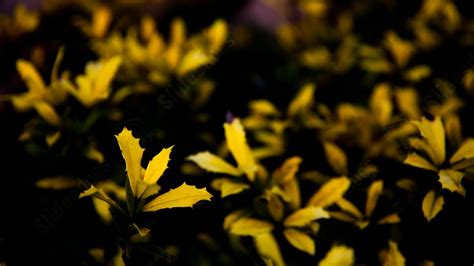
[
  {"x": 330, "y": 192},
  {"x": 336, "y": 157},
  {"x": 373, "y": 194},
  {"x": 381, "y": 103},
  {"x": 237, "y": 144},
  {"x": 392, "y": 257},
  {"x": 303, "y": 100},
  {"x": 250, "y": 227},
  {"x": 300, "y": 240},
  {"x": 433, "y": 132},
  {"x": 57, "y": 183},
  {"x": 432, "y": 205},
  {"x": 466, "y": 151},
  {"x": 267, "y": 247},
  {"x": 414, "y": 159},
  {"x": 303, "y": 217},
  {"x": 288, "y": 170},
  {"x": 213, "y": 163},
  {"x": 338, "y": 255}
]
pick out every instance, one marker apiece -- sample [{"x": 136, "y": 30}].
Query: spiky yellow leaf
[
  {"x": 330, "y": 192},
  {"x": 300, "y": 240},
  {"x": 157, "y": 166},
  {"x": 451, "y": 180},
  {"x": 180, "y": 197},
  {"x": 132, "y": 154}
]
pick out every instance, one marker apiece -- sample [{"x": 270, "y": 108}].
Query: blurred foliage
[{"x": 300, "y": 132}]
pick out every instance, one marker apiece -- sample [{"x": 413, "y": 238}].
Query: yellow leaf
[
  {"x": 400, "y": 49},
  {"x": 330, "y": 192},
  {"x": 47, "y": 112},
  {"x": 433, "y": 132},
  {"x": 213, "y": 163},
  {"x": 234, "y": 216},
  {"x": 350, "y": 208},
  {"x": 303, "y": 217},
  {"x": 389, "y": 219},
  {"x": 303, "y": 100},
  {"x": 193, "y": 60},
  {"x": 466, "y": 151},
  {"x": 451, "y": 180},
  {"x": 93, "y": 86},
  {"x": 57, "y": 183},
  {"x": 132, "y": 154},
  {"x": 393, "y": 257},
  {"x": 315, "y": 58},
  {"x": 344, "y": 216},
  {"x": 102, "y": 209},
  {"x": 336, "y": 157},
  {"x": 51, "y": 139},
  {"x": 267, "y": 247},
  {"x": 94, "y": 154},
  {"x": 338, "y": 256},
  {"x": 288, "y": 170},
  {"x": 292, "y": 191},
  {"x": 217, "y": 35},
  {"x": 101, "y": 18},
  {"x": 229, "y": 187},
  {"x": 373, "y": 194},
  {"x": 275, "y": 207},
  {"x": 432, "y": 205},
  {"x": 417, "y": 73},
  {"x": 381, "y": 103},
  {"x": 468, "y": 80},
  {"x": 300, "y": 240},
  {"x": 180, "y": 197},
  {"x": 157, "y": 166},
  {"x": 407, "y": 102},
  {"x": 237, "y": 144},
  {"x": 263, "y": 108},
  {"x": 414, "y": 159},
  {"x": 31, "y": 77},
  {"x": 250, "y": 227}
]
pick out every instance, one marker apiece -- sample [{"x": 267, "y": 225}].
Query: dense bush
[{"x": 244, "y": 132}]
